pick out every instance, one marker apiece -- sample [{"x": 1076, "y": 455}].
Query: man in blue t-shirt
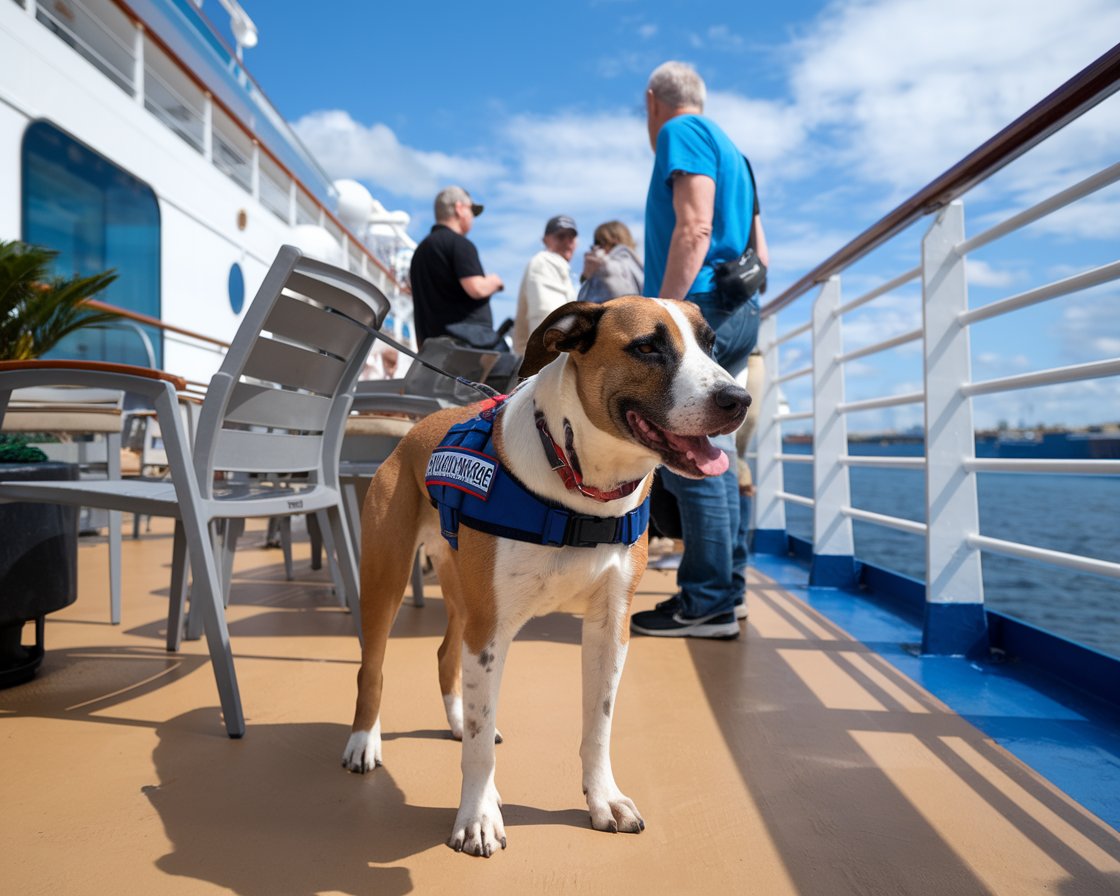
[{"x": 699, "y": 212}]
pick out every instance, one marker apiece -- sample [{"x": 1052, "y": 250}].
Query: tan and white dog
[{"x": 633, "y": 385}]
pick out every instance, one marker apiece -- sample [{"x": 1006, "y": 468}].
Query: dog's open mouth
[{"x": 693, "y": 456}]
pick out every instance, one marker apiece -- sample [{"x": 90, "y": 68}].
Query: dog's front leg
[
  {"x": 605, "y": 641},
  {"x": 478, "y": 826}
]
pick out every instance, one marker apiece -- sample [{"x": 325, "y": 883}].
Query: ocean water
[{"x": 1072, "y": 513}]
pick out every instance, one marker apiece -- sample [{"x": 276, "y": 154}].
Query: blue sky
[{"x": 844, "y": 108}]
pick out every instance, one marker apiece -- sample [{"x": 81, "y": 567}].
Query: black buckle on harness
[{"x": 585, "y": 531}]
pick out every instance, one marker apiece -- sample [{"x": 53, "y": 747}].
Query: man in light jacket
[{"x": 547, "y": 282}]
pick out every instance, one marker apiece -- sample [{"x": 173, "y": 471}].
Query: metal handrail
[
  {"x": 154, "y": 322},
  {"x": 1080, "y": 93}
]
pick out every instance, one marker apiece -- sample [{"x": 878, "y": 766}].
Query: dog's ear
[{"x": 570, "y": 328}]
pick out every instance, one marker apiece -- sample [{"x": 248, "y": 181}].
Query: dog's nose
[{"x": 732, "y": 399}]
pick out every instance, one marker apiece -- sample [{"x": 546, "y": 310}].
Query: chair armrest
[{"x": 96, "y": 367}]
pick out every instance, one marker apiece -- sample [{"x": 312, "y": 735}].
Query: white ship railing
[{"x": 955, "y": 621}]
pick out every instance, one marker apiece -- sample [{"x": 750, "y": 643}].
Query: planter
[{"x": 38, "y": 568}]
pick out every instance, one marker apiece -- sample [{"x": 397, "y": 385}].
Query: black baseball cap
[{"x": 560, "y": 223}]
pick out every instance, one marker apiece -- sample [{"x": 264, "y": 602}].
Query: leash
[{"x": 482, "y": 388}]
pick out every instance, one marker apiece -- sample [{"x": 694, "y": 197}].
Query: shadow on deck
[{"x": 795, "y": 760}]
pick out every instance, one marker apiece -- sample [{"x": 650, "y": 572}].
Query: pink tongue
[{"x": 709, "y": 459}]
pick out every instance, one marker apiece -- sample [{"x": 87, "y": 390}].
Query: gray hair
[
  {"x": 678, "y": 85},
  {"x": 446, "y": 199}
]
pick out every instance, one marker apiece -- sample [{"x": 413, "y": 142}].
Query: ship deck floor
[{"x": 796, "y": 760}]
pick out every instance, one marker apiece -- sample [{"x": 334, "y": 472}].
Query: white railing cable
[
  {"x": 874, "y": 460},
  {"x": 1045, "y": 555},
  {"x": 1077, "y": 282},
  {"x": 796, "y": 499},
  {"x": 794, "y": 333},
  {"x": 785, "y": 378},
  {"x": 794, "y": 415},
  {"x": 1036, "y": 212},
  {"x": 1071, "y": 374},
  {"x": 891, "y": 522},
  {"x": 901, "y": 280},
  {"x": 875, "y": 347},
  {"x": 888, "y": 401},
  {"x": 1042, "y": 465},
  {"x": 794, "y": 458}
]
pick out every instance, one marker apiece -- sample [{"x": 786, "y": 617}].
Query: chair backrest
[
  {"x": 279, "y": 402},
  {"x": 476, "y": 364}
]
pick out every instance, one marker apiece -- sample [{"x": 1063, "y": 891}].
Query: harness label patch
[{"x": 463, "y": 469}]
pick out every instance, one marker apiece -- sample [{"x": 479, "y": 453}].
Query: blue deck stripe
[{"x": 1066, "y": 735}]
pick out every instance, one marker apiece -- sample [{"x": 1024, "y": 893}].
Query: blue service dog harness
[{"x": 469, "y": 486}]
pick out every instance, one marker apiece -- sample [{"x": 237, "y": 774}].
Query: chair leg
[
  {"x": 347, "y": 560},
  {"x": 178, "y": 598},
  {"x": 353, "y": 511},
  {"x": 330, "y": 543},
  {"x": 115, "y": 567},
  {"x": 217, "y": 531},
  {"x": 417, "y": 581},
  {"x": 206, "y": 603},
  {"x": 315, "y": 536},
  {"x": 235, "y": 528},
  {"x": 284, "y": 524}
]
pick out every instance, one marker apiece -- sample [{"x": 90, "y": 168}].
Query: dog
[{"x": 629, "y": 384}]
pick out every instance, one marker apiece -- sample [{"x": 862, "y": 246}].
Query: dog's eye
[{"x": 647, "y": 350}]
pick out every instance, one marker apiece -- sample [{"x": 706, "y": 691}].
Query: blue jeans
[{"x": 712, "y": 574}]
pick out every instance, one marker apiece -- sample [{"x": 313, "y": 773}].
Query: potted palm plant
[{"x": 38, "y": 542}]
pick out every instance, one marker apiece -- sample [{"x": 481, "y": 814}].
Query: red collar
[{"x": 570, "y": 473}]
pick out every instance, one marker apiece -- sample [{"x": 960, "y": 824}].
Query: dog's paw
[
  {"x": 615, "y": 814},
  {"x": 479, "y": 831},
  {"x": 363, "y": 750}
]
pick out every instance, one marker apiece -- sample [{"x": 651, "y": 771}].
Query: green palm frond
[{"x": 37, "y": 309}]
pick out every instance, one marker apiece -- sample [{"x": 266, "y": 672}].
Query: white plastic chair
[{"x": 276, "y": 408}]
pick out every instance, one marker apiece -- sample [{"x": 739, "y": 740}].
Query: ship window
[
  {"x": 97, "y": 216},
  {"x": 236, "y": 288}
]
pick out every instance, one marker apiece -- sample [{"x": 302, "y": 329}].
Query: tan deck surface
[{"x": 791, "y": 761}]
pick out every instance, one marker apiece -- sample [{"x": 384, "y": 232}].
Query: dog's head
[{"x": 644, "y": 372}]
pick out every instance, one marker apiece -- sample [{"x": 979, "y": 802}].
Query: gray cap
[
  {"x": 558, "y": 223},
  {"x": 446, "y": 199}
]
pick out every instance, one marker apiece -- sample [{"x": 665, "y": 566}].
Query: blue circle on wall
[{"x": 236, "y": 288}]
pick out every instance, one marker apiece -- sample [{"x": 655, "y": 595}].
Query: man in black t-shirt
[{"x": 449, "y": 289}]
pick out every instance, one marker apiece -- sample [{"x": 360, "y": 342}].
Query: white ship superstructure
[{"x": 132, "y": 137}]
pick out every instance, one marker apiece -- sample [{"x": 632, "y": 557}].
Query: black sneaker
[{"x": 667, "y": 622}]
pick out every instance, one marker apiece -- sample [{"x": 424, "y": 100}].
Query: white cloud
[
  {"x": 347, "y": 148},
  {"x": 768, "y": 132},
  {"x": 906, "y": 87},
  {"x": 980, "y": 273},
  {"x": 1090, "y": 328}
]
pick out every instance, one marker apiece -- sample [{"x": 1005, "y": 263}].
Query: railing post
[
  {"x": 208, "y": 126},
  {"x": 138, "y": 63},
  {"x": 955, "y": 623},
  {"x": 255, "y": 171},
  {"x": 834, "y": 564},
  {"x": 769, "y": 534}
]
